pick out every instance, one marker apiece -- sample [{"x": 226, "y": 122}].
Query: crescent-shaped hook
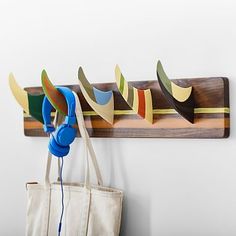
[
  {"x": 31, "y": 104},
  {"x": 180, "y": 98},
  {"x": 140, "y": 100},
  {"x": 54, "y": 96},
  {"x": 102, "y": 102}
]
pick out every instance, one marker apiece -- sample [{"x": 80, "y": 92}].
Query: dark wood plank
[{"x": 208, "y": 93}]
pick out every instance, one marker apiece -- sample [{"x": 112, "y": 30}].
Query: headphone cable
[{"x": 62, "y": 198}]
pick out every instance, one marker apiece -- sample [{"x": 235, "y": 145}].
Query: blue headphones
[{"x": 65, "y": 134}]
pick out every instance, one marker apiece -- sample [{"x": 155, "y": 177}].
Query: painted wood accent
[
  {"x": 180, "y": 98},
  {"x": 102, "y": 102},
  {"x": 140, "y": 100}
]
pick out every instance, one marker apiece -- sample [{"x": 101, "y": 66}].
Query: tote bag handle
[
  {"x": 87, "y": 145},
  {"x": 49, "y": 156}
]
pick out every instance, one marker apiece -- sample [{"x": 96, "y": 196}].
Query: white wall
[{"x": 172, "y": 187}]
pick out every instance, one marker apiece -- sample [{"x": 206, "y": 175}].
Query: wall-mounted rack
[{"x": 182, "y": 108}]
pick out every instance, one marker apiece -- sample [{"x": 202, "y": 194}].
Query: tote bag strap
[
  {"x": 87, "y": 144},
  {"x": 56, "y": 121}
]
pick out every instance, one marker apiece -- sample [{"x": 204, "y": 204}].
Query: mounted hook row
[{"x": 102, "y": 102}]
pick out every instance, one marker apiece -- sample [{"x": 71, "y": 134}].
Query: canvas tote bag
[{"x": 90, "y": 210}]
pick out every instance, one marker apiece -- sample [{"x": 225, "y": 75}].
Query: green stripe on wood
[
  {"x": 35, "y": 106},
  {"x": 164, "y": 79},
  {"x": 130, "y": 99},
  {"x": 86, "y": 84},
  {"x": 122, "y": 84}
]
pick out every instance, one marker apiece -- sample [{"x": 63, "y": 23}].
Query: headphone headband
[{"x": 47, "y": 108}]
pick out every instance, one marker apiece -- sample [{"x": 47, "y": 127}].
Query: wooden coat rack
[{"x": 163, "y": 108}]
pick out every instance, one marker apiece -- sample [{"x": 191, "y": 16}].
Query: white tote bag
[{"x": 89, "y": 210}]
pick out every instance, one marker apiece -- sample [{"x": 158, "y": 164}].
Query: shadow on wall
[
  {"x": 136, "y": 207},
  {"x": 136, "y": 216}
]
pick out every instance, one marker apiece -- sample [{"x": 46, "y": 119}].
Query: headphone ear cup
[
  {"x": 64, "y": 135},
  {"x": 56, "y": 149}
]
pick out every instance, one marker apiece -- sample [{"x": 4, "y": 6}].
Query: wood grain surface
[{"x": 212, "y": 118}]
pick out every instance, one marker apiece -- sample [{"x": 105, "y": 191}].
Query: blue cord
[{"x": 62, "y": 198}]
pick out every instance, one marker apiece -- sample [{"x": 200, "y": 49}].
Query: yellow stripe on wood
[
  {"x": 219, "y": 110},
  {"x": 135, "y": 103},
  {"x": 148, "y": 105},
  {"x": 179, "y": 93}
]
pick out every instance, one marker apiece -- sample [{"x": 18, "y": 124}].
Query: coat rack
[{"x": 161, "y": 108}]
